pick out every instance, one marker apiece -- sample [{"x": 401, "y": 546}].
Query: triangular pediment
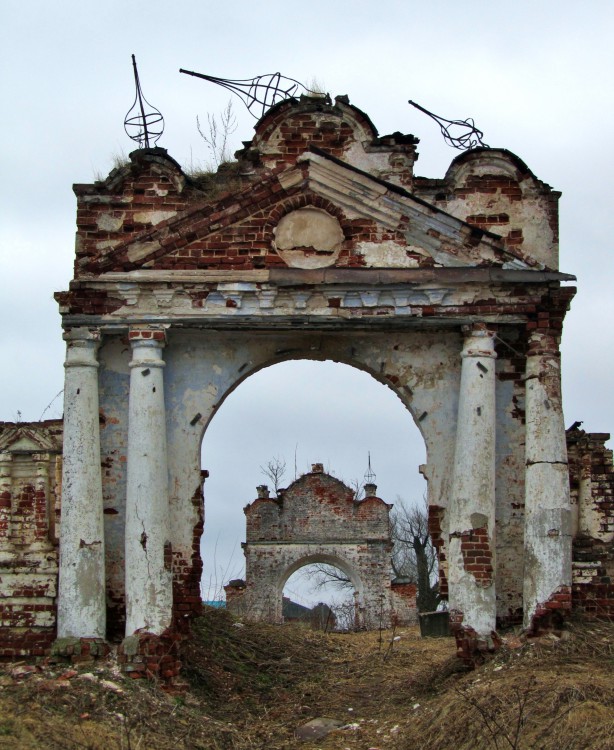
[
  {"x": 380, "y": 225},
  {"x": 29, "y": 439}
]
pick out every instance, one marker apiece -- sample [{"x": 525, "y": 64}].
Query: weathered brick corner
[{"x": 152, "y": 657}]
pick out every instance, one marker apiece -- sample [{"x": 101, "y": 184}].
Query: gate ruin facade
[
  {"x": 319, "y": 242},
  {"x": 318, "y": 519}
]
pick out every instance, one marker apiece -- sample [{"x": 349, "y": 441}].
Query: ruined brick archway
[
  {"x": 320, "y": 239},
  {"x": 274, "y": 614},
  {"x": 318, "y": 519}
]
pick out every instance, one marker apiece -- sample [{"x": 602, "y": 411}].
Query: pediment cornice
[
  {"x": 444, "y": 240},
  {"x": 26, "y": 438}
]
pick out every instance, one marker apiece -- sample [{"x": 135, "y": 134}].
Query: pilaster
[
  {"x": 547, "y": 538},
  {"x": 6, "y": 463},
  {"x": 588, "y": 519},
  {"x": 41, "y": 511}
]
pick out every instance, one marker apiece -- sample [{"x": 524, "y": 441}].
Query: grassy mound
[{"x": 250, "y": 685}]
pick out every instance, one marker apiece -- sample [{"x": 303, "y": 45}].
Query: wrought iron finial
[
  {"x": 145, "y": 126},
  {"x": 471, "y": 138},
  {"x": 369, "y": 473},
  {"x": 259, "y": 93}
]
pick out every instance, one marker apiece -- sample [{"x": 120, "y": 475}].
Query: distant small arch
[{"x": 327, "y": 559}]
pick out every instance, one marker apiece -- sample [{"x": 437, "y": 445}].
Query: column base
[
  {"x": 79, "y": 650},
  {"x": 550, "y": 616},
  {"x": 151, "y": 657},
  {"x": 471, "y": 647}
]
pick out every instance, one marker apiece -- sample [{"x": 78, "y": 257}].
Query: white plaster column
[
  {"x": 471, "y": 511},
  {"x": 81, "y": 596},
  {"x": 6, "y": 490},
  {"x": 547, "y": 535},
  {"x": 149, "y": 594}
]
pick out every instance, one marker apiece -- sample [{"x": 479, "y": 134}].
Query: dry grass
[{"x": 250, "y": 687}]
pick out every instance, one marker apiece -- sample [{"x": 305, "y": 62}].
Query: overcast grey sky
[{"x": 536, "y": 76}]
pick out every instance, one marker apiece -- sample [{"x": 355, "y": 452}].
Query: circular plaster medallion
[{"x": 308, "y": 238}]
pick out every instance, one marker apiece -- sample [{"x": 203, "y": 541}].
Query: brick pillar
[
  {"x": 6, "y": 462},
  {"x": 81, "y": 595},
  {"x": 547, "y": 535},
  {"x": 148, "y": 566},
  {"x": 472, "y": 503}
]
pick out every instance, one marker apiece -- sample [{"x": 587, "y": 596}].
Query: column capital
[
  {"x": 81, "y": 347},
  {"x": 479, "y": 341},
  {"x": 147, "y": 344},
  {"x": 81, "y": 335},
  {"x": 541, "y": 343},
  {"x": 155, "y": 335}
]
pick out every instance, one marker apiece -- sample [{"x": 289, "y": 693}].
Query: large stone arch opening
[
  {"x": 326, "y": 558},
  {"x": 338, "y": 423}
]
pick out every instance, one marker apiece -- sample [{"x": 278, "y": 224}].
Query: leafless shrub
[
  {"x": 274, "y": 471},
  {"x": 217, "y": 135},
  {"x": 505, "y": 725}
]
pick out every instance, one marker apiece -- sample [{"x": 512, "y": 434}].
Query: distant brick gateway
[
  {"x": 318, "y": 520},
  {"x": 319, "y": 243}
]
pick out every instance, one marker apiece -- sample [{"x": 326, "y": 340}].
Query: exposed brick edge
[
  {"x": 80, "y": 650},
  {"x": 471, "y": 648},
  {"x": 550, "y": 615},
  {"x": 18, "y": 642},
  {"x": 152, "y": 657},
  {"x": 436, "y": 513},
  {"x": 477, "y": 555}
]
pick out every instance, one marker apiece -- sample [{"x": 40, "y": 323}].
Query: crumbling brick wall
[
  {"x": 591, "y": 475},
  {"x": 497, "y": 192},
  {"x": 30, "y": 479},
  {"x": 403, "y": 598}
]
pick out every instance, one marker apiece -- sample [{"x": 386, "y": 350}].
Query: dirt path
[{"x": 249, "y": 687}]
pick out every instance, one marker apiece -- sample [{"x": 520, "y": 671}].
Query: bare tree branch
[
  {"x": 275, "y": 470},
  {"x": 413, "y": 554},
  {"x": 321, "y": 575}
]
